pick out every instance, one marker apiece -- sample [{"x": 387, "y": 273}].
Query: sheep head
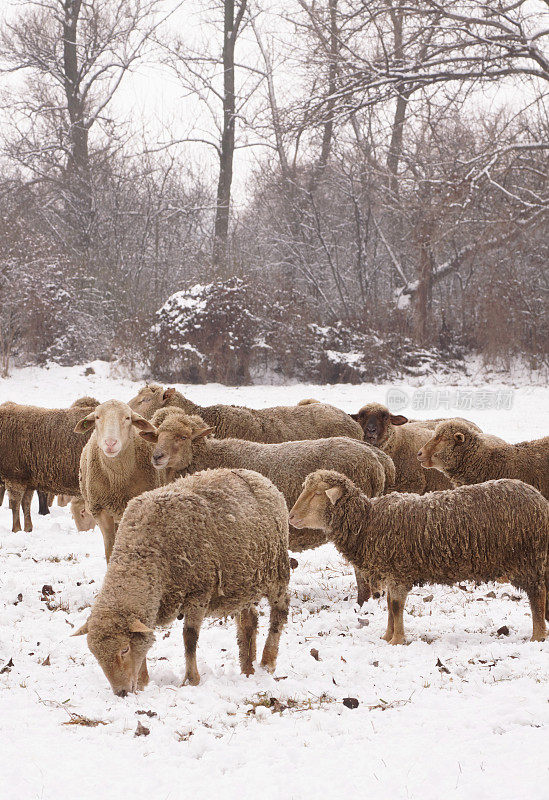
[
  {"x": 321, "y": 490},
  {"x": 150, "y": 398},
  {"x": 450, "y": 440},
  {"x": 120, "y": 646},
  {"x": 174, "y": 437},
  {"x": 114, "y": 423},
  {"x": 376, "y": 421}
]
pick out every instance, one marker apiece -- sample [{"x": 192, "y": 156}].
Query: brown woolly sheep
[
  {"x": 466, "y": 456},
  {"x": 181, "y": 447},
  {"x": 115, "y": 464},
  {"x": 269, "y": 425},
  {"x": 401, "y": 440},
  {"x": 39, "y": 451},
  {"x": 211, "y": 544},
  {"x": 403, "y": 540}
]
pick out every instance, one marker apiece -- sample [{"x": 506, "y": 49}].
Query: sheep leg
[
  {"x": 278, "y": 618},
  {"x": 246, "y": 636},
  {"x": 191, "y": 629},
  {"x": 536, "y": 596},
  {"x": 364, "y": 593},
  {"x": 143, "y": 677},
  {"x": 399, "y": 594},
  {"x": 388, "y": 635},
  {"x": 108, "y": 529},
  {"x": 15, "y": 494},
  {"x": 26, "y": 505},
  {"x": 2, "y": 491},
  {"x": 43, "y": 506}
]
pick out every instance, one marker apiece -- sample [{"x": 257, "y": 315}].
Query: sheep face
[
  {"x": 113, "y": 423},
  {"x": 120, "y": 651},
  {"x": 174, "y": 439},
  {"x": 82, "y": 519},
  {"x": 376, "y": 420},
  {"x": 446, "y": 448},
  {"x": 311, "y": 509},
  {"x": 150, "y": 398}
]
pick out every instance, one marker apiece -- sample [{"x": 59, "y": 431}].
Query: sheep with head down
[
  {"x": 208, "y": 545},
  {"x": 403, "y": 540},
  {"x": 182, "y": 445}
]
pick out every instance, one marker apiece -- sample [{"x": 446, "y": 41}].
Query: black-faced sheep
[
  {"x": 466, "y": 456},
  {"x": 211, "y": 544},
  {"x": 270, "y": 425},
  {"x": 182, "y": 446},
  {"x": 401, "y": 440},
  {"x": 403, "y": 540}
]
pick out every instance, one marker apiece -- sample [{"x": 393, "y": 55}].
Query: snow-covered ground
[{"x": 459, "y": 712}]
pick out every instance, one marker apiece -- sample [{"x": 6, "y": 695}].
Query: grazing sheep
[
  {"x": 82, "y": 518},
  {"x": 269, "y": 425},
  {"x": 403, "y": 540},
  {"x": 182, "y": 446},
  {"x": 466, "y": 456},
  {"x": 115, "y": 464},
  {"x": 401, "y": 440},
  {"x": 211, "y": 544},
  {"x": 39, "y": 451}
]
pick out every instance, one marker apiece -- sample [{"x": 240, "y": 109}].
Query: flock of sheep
[{"x": 193, "y": 506}]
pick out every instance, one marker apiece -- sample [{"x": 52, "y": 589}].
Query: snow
[{"x": 419, "y": 731}]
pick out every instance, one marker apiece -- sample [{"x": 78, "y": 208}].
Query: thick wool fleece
[
  {"x": 108, "y": 484},
  {"x": 478, "y": 532},
  {"x": 481, "y": 457},
  {"x": 270, "y": 425},
  {"x": 38, "y": 446},
  {"x": 402, "y": 443},
  {"x": 286, "y": 464},
  {"x": 216, "y": 540}
]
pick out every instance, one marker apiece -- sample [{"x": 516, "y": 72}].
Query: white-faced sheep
[
  {"x": 270, "y": 425},
  {"x": 401, "y": 440},
  {"x": 115, "y": 464},
  {"x": 40, "y": 451},
  {"x": 182, "y": 446},
  {"x": 403, "y": 540},
  {"x": 466, "y": 456},
  {"x": 211, "y": 544}
]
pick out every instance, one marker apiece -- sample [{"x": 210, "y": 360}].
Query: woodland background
[{"x": 346, "y": 190}]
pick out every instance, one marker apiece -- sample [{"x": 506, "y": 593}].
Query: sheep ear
[
  {"x": 136, "y": 626},
  {"x": 168, "y": 394},
  {"x": 398, "y": 419},
  {"x": 202, "y": 433},
  {"x": 354, "y": 416},
  {"x": 149, "y": 436},
  {"x": 459, "y": 437},
  {"x": 82, "y": 630},
  {"x": 84, "y": 425},
  {"x": 334, "y": 494},
  {"x": 142, "y": 424}
]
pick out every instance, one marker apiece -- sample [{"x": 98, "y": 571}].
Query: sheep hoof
[
  {"x": 397, "y": 640},
  {"x": 16, "y": 529},
  {"x": 191, "y": 679},
  {"x": 538, "y": 637},
  {"x": 268, "y": 667},
  {"x": 248, "y": 670},
  {"x": 28, "y": 528},
  {"x": 387, "y": 637}
]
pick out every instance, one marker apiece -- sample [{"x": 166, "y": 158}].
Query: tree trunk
[
  {"x": 79, "y": 202},
  {"x": 226, "y": 153}
]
